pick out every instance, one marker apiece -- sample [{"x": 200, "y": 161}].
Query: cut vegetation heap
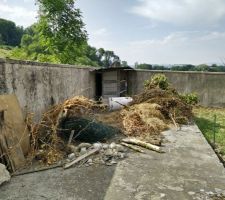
[{"x": 81, "y": 119}]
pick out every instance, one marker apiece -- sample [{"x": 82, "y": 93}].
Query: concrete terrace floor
[{"x": 188, "y": 170}]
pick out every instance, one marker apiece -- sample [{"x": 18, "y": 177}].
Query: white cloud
[
  {"x": 176, "y": 48},
  {"x": 100, "y": 38},
  {"x": 182, "y": 12},
  {"x": 18, "y": 14},
  {"x": 100, "y": 32}
]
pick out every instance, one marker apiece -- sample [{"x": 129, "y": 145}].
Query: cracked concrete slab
[
  {"x": 188, "y": 170},
  {"x": 188, "y": 167}
]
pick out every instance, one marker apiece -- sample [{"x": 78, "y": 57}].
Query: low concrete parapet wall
[
  {"x": 40, "y": 85},
  {"x": 210, "y": 87}
]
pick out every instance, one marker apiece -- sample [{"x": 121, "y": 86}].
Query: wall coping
[
  {"x": 41, "y": 64},
  {"x": 90, "y": 68},
  {"x": 180, "y": 72}
]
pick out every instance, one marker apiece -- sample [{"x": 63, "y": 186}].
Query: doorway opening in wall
[{"x": 98, "y": 85}]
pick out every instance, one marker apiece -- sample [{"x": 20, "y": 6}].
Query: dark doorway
[{"x": 98, "y": 78}]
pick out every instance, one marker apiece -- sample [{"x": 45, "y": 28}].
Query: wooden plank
[
  {"x": 11, "y": 150},
  {"x": 142, "y": 144},
  {"x": 14, "y": 150},
  {"x": 14, "y": 119},
  {"x": 14, "y": 137},
  {"x": 93, "y": 151},
  {"x": 135, "y": 148}
]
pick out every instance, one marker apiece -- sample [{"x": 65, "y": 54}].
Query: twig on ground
[{"x": 174, "y": 122}]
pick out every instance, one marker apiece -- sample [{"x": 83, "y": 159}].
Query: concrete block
[{"x": 4, "y": 174}]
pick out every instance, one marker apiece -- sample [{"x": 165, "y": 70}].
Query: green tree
[
  {"x": 1, "y": 40},
  {"x": 34, "y": 47},
  {"x": 10, "y": 33},
  {"x": 187, "y": 67},
  {"x": 202, "y": 67},
  {"x": 106, "y": 58},
  {"x": 61, "y": 27},
  {"x": 144, "y": 66},
  {"x": 124, "y": 64},
  {"x": 59, "y": 36},
  {"x": 159, "y": 67}
]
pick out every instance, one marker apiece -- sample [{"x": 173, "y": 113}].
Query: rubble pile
[
  {"x": 80, "y": 120},
  {"x": 108, "y": 154}
]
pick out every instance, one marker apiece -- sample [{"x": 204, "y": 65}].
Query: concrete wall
[
  {"x": 210, "y": 87},
  {"x": 39, "y": 85}
]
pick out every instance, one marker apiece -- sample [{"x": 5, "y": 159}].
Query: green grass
[
  {"x": 5, "y": 51},
  {"x": 204, "y": 118}
]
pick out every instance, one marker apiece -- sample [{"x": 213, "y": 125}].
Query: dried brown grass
[
  {"x": 169, "y": 101},
  {"x": 143, "y": 120},
  {"x": 46, "y": 144}
]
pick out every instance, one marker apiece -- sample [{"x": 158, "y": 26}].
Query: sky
[{"x": 145, "y": 31}]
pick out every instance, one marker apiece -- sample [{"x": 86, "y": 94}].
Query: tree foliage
[
  {"x": 10, "y": 34},
  {"x": 188, "y": 67},
  {"x": 59, "y": 36},
  {"x": 143, "y": 66},
  {"x": 157, "y": 80}
]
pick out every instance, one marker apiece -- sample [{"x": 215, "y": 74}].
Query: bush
[
  {"x": 190, "y": 98},
  {"x": 158, "y": 80}
]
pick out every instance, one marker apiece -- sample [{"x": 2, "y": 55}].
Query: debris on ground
[
  {"x": 133, "y": 147},
  {"x": 4, "y": 174},
  {"x": 144, "y": 121},
  {"x": 73, "y": 128},
  {"x": 75, "y": 116},
  {"x": 143, "y": 144},
  {"x": 218, "y": 194},
  {"x": 170, "y": 104},
  {"x": 97, "y": 153},
  {"x": 151, "y": 112},
  {"x": 158, "y": 90}
]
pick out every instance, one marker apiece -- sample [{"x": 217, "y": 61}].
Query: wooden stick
[
  {"x": 142, "y": 144},
  {"x": 37, "y": 170},
  {"x": 71, "y": 137},
  {"x": 171, "y": 116},
  {"x": 132, "y": 147},
  {"x": 81, "y": 158}
]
